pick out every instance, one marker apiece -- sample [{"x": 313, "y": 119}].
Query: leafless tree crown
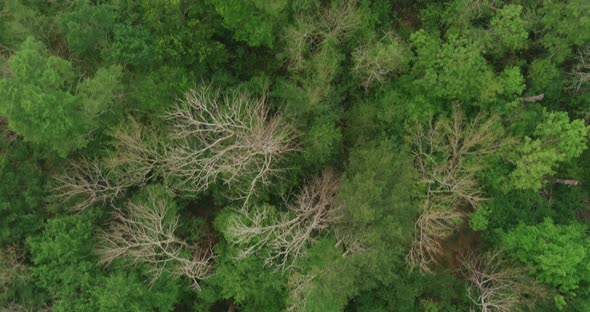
[
  {"x": 441, "y": 151},
  {"x": 145, "y": 234},
  {"x": 87, "y": 182},
  {"x": 496, "y": 286},
  {"x": 289, "y": 234},
  {"x": 232, "y": 138}
]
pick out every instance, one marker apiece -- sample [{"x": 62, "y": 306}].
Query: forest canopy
[{"x": 295, "y": 155}]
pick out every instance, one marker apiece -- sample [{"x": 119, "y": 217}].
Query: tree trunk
[
  {"x": 566, "y": 181},
  {"x": 533, "y": 99}
]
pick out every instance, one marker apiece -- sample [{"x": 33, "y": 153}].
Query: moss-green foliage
[
  {"x": 87, "y": 28},
  {"x": 254, "y": 21},
  {"x": 64, "y": 263},
  {"x": 127, "y": 291},
  {"x": 246, "y": 282},
  {"x": 566, "y": 25},
  {"x": 133, "y": 46},
  {"x": 21, "y": 193},
  {"x": 378, "y": 199}
]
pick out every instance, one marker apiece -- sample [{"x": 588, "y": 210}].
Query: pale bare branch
[
  {"x": 496, "y": 286},
  {"x": 145, "y": 234},
  {"x": 289, "y": 234},
  {"x": 230, "y": 138},
  {"x": 447, "y": 154},
  {"x": 87, "y": 182}
]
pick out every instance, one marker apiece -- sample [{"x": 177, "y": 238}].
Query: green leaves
[
  {"x": 556, "y": 254},
  {"x": 509, "y": 27},
  {"x": 87, "y": 27},
  {"x": 63, "y": 263},
  {"x": 556, "y": 140},
  {"x": 253, "y": 21},
  {"x": 38, "y": 98}
]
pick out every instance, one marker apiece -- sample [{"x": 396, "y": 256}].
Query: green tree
[
  {"x": 254, "y": 21},
  {"x": 37, "y": 98},
  {"x": 566, "y": 24},
  {"x": 64, "y": 263},
  {"x": 87, "y": 28},
  {"x": 556, "y": 254},
  {"x": 248, "y": 283},
  {"x": 127, "y": 291},
  {"x": 132, "y": 45},
  {"x": 453, "y": 70},
  {"x": 508, "y": 25},
  {"x": 21, "y": 193},
  {"x": 556, "y": 140}
]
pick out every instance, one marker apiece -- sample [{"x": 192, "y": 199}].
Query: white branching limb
[
  {"x": 580, "y": 73},
  {"x": 378, "y": 60},
  {"x": 495, "y": 286},
  {"x": 86, "y": 182},
  {"x": 144, "y": 234},
  {"x": 231, "y": 138},
  {"x": 446, "y": 158},
  {"x": 300, "y": 287},
  {"x": 289, "y": 234},
  {"x": 138, "y": 157},
  {"x": 135, "y": 162},
  {"x": 430, "y": 229}
]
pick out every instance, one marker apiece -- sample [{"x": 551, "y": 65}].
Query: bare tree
[
  {"x": 300, "y": 286},
  {"x": 288, "y": 234},
  {"x": 87, "y": 182},
  {"x": 580, "y": 72},
  {"x": 430, "y": 229},
  {"x": 232, "y": 138},
  {"x": 496, "y": 286},
  {"x": 442, "y": 151},
  {"x": 340, "y": 19},
  {"x": 138, "y": 155},
  {"x": 145, "y": 234},
  {"x": 378, "y": 60}
]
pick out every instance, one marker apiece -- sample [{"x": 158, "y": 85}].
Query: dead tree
[
  {"x": 87, "y": 182},
  {"x": 496, "y": 286},
  {"x": 138, "y": 154},
  {"x": 430, "y": 229},
  {"x": 444, "y": 152},
  {"x": 580, "y": 73},
  {"x": 230, "y": 138},
  {"x": 288, "y": 235},
  {"x": 145, "y": 234}
]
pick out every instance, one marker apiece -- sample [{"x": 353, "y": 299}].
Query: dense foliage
[{"x": 295, "y": 155}]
